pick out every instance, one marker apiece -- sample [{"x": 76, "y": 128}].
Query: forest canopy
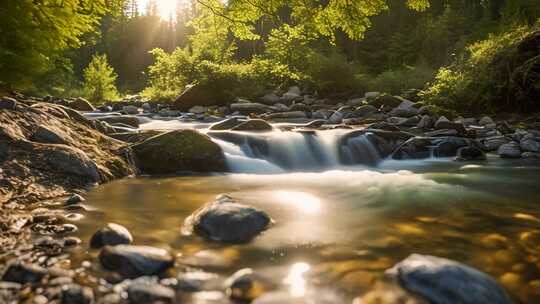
[{"x": 247, "y": 47}]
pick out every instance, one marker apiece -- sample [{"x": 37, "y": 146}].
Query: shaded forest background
[{"x": 131, "y": 49}]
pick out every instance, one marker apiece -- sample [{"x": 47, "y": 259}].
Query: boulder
[
  {"x": 81, "y": 104},
  {"x": 270, "y": 99},
  {"x": 226, "y": 124},
  {"x": 493, "y": 143},
  {"x": 135, "y": 261},
  {"x": 444, "y": 281},
  {"x": 253, "y": 125},
  {"x": 130, "y": 110},
  {"x": 112, "y": 234},
  {"x": 363, "y": 111},
  {"x": 530, "y": 144},
  {"x": 486, "y": 120},
  {"x": 226, "y": 220},
  {"x": 425, "y": 122},
  {"x": 194, "y": 95},
  {"x": 145, "y": 293},
  {"x": 294, "y": 93},
  {"x": 405, "y": 109},
  {"x": 23, "y": 273},
  {"x": 470, "y": 154},
  {"x": 336, "y": 118},
  {"x": 249, "y": 108},
  {"x": 76, "y": 294},
  {"x": 509, "y": 150},
  {"x": 179, "y": 150}
]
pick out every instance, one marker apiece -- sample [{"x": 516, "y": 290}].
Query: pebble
[{"x": 112, "y": 234}]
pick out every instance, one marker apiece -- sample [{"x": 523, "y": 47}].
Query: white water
[{"x": 279, "y": 151}]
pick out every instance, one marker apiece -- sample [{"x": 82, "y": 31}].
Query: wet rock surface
[
  {"x": 181, "y": 150},
  {"x": 112, "y": 234},
  {"x": 134, "y": 261},
  {"x": 445, "y": 281},
  {"x": 226, "y": 220}
]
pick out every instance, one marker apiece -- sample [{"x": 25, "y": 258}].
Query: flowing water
[{"x": 337, "y": 228}]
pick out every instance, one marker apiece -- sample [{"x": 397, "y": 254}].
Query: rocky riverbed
[{"x": 52, "y": 154}]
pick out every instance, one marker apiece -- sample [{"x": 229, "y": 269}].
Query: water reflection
[
  {"x": 305, "y": 202},
  {"x": 295, "y": 279}
]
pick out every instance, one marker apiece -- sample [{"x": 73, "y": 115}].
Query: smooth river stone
[
  {"x": 225, "y": 220},
  {"x": 134, "y": 261},
  {"x": 443, "y": 281},
  {"x": 112, "y": 234}
]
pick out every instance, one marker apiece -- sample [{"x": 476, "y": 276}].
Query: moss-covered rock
[
  {"x": 179, "y": 150},
  {"x": 253, "y": 125}
]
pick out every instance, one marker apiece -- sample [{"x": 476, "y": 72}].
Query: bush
[
  {"x": 333, "y": 74},
  {"x": 397, "y": 81},
  {"x": 501, "y": 73},
  {"x": 99, "y": 80},
  {"x": 170, "y": 74}
]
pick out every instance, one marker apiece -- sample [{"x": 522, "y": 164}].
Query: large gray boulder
[
  {"x": 443, "y": 281},
  {"x": 135, "y": 261},
  {"x": 179, "y": 150},
  {"x": 226, "y": 220}
]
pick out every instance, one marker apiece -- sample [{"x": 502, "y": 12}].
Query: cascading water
[{"x": 279, "y": 151}]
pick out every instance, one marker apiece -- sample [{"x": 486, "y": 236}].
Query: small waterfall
[{"x": 279, "y": 151}]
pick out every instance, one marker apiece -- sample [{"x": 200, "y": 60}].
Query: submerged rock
[
  {"x": 245, "y": 285},
  {"x": 134, "y": 261},
  {"x": 144, "y": 293},
  {"x": 179, "y": 150},
  {"x": 444, "y": 281},
  {"x": 112, "y": 234},
  {"x": 76, "y": 294},
  {"x": 225, "y": 220},
  {"x": 23, "y": 273}
]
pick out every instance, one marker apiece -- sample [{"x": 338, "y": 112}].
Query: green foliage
[
  {"x": 398, "y": 80},
  {"x": 33, "y": 34},
  {"x": 99, "y": 80},
  {"x": 324, "y": 18},
  {"x": 499, "y": 73}
]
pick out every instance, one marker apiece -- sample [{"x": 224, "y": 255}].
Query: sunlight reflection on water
[
  {"x": 305, "y": 202},
  {"x": 295, "y": 279}
]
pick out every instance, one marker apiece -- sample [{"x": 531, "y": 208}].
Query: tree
[
  {"x": 34, "y": 33},
  {"x": 99, "y": 80},
  {"x": 324, "y": 17}
]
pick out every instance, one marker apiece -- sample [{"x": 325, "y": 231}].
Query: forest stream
[{"x": 337, "y": 227}]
